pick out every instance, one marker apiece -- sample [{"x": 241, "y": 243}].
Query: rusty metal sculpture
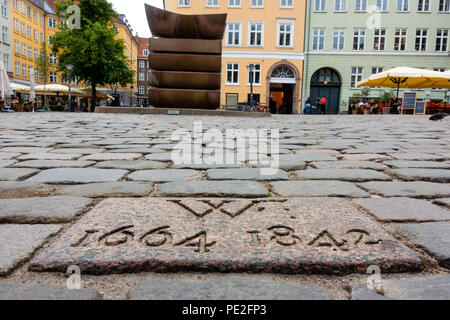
[{"x": 185, "y": 59}]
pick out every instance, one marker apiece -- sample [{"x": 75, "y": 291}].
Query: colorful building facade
[
  {"x": 265, "y": 34},
  {"x": 349, "y": 40},
  {"x": 143, "y": 76},
  {"x": 5, "y": 39}
]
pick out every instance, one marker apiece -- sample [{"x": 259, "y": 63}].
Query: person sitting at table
[{"x": 394, "y": 105}]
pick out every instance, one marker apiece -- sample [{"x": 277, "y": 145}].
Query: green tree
[
  {"x": 43, "y": 66},
  {"x": 97, "y": 56}
]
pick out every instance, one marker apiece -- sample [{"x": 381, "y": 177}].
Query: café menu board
[
  {"x": 420, "y": 107},
  {"x": 409, "y": 101}
]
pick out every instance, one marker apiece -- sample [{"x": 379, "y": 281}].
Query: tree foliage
[{"x": 97, "y": 56}]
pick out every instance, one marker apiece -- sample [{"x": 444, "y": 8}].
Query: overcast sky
[{"x": 135, "y": 12}]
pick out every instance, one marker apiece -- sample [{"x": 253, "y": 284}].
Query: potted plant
[
  {"x": 386, "y": 98},
  {"x": 354, "y": 100}
]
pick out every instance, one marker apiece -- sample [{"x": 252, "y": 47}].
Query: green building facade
[{"x": 349, "y": 40}]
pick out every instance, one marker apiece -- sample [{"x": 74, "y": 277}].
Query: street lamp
[
  {"x": 69, "y": 67},
  {"x": 251, "y": 67},
  {"x": 131, "y": 95}
]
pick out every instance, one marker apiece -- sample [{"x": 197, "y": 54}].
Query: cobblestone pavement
[{"x": 355, "y": 195}]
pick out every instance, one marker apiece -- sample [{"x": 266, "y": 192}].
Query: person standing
[
  {"x": 319, "y": 105},
  {"x": 323, "y": 104},
  {"x": 308, "y": 106}
]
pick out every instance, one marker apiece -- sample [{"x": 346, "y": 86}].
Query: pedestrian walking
[{"x": 323, "y": 104}]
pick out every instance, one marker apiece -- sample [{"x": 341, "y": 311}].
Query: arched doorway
[
  {"x": 327, "y": 83},
  {"x": 283, "y": 85}
]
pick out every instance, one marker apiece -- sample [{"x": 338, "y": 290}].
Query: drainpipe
[{"x": 306, "y": 64}]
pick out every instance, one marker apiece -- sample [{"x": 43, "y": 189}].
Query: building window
[
  {"x": 53, "y": 78},
  {"x": 16, "y": 24},
  {"x": 16, "y": 4},
  {"x": 5, "y": 35},
  {"x": 256, "y": 36},
  {"x": 184, "y": 3},
  {"x": 402, "y": 5},
  {"x": 35, "y": 34},
  {"x": 41, "y": 19},
  {"x": 17, "y": 46},
  {"x": 338, "y": 39},
  {"x": 320, "y": 5},
  {"x": 361, "y": 5},
  {"x": 17, "y": 67},
  {"x": 356, "y": 76},
  {"x": 24, "y": 70},
  {"x": 421, "y": 39},
  {"x": 233, "y": 34},
  {"x": 50, "y": 40},
  {"x": 441, "y": 40},
  {"x": 212, "y": 3},
  {"x": 22, "y": 7},
  {"x": 4, "y": 5},
  {"x": 287, "y": 4},
  {"x": 141, "y": 89},
  {"x": 340, "y": 5},
  {"x": 423, "y": 6},
  {"x": 256, "y": 73},
  {"x": 36, "y": 54},
  {"x": 444, "y": 5},
  {"x": 24, "y": 49},
  {"x": 382, "y": 5},
  {"x": 232, "y": 73},
  {"x": 52, "y": 58},
  {"x": 234, "y": 3},
  {"x": 28, "y": 12},
  {"x": 400, "y": 40},
  {"x": 29, "y": 30},
  {"x": 142, "y": 64},
  {"x": 6, "y": 60},
  {"x": 30, "y": 52},
  {"x": 318, "y": 39},
  {"x": 285, "y": 34},
  {"x": 52, "y": 23},
  {"x": 141, "y": 76},
  {"x": 359, "y": 38},
  {"x": 34, "y": 15},
  {"x": 376, "y": 70},
  {"x": 379, "y": 39},
  {"x": 257, "y": 3},
  {"x": 23, "y": 28},
  {"x": 41, "y": 37}
]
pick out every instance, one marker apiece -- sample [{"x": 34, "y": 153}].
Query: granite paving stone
[
  {"x": 366, "y": 157},
  {"x": 25, "y": 150},
  {"x": 349, "y": 165},
  {"x": 108, "y": 189},
  {"x": 433, "y": 237},
  {"x": 220, "y": 235},
  {"x": 81, "y": 151},
  {"x": 8, "y": 155},
  {"x": 246, "y": 174},
  {"x": 18, "y": 243},
  {"x": 111, "y": 156},
  {"x": 21, "y": 291},
  {"x": 59, "y": 209},
  {"x": 8, "y": 186},
  {"x": 50, "y": 156},
  {"x": 307, "y": 157},
  {"x": 79, "y": 175},
  {"x": 322, "y": 188},
  {"x": 417, "y": 164},
  {"x": 168, "y": 175},
  {"x": 166, "y": 156},
  {"x": 404, "y": 209},
  {"x": 231, "y": 287},
  {"x": 16, "y": 174},
  {"x": 6, "y": 163},
  {"x": 415, "y": 189},
  {"x": 49, "y": 164},
  {"x": 430, "y": 288},
  {"x": 434, "y": 175},
  {"x": 131, "y": 165},
  {"x": 355, "y": 175},
  {"x": 250, "y": 189},
  {"x": 417, "y": 156}
]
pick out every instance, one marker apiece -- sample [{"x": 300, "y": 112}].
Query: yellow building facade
[{"x": 267, "y": 34}]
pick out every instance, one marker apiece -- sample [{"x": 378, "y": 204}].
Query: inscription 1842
[{"x": 287, "y": 235}]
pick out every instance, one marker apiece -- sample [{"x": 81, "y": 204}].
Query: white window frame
[
  {"x": 141, "y": 76},
  {"x": 340, "y": 5},
  {"x": 141, "y": 64},
  {"x": 362, "y": 6},
  {"x": 184, "y": 3},
  {"x": 256, "y": 3},
  {"x": 444, "y": 6},
  {"x": 402, "y": 6},
  {"x": 356, "y": 76},
  {"x": 440, "y": 39},
  {"x": 291, "y": 23},
  {"x": 319, "y": 36},
  {"x": 320, "y": 5},
  {"x": 234, "y": 3},
  {"x": 233, "y": 70},
  {"x": 17, "y": 67},
  {"x": 359, "y": 36},
  {"x": 145, "y": 52},
  {"x": 250, "y": 32},
  {"x": 382, "y": 5},
  {"x": 141, "y": 90},
  {"x": 212, "y": 3},
  {"x": 52, "y": 23},
  {"x": 425, "y": 3},
  {"x": 423, "y": 39},
  {"x": 284, "y": 4},
  {"x": 52, "y": 77},
  {"x": 239, "y": 23},
  {"x": 340, "y": 36},
  {"x": 254, "y": 74},
  {"x": 379, "y": 37},
  {"x": 400, "y": 37}
]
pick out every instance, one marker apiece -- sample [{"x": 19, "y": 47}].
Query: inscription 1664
[{"x": 281, "y": 235}]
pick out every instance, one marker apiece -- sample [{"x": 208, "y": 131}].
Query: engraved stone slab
[
  {"x": 18, "y": 242},
  {"x": 226, "y": 235}
]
